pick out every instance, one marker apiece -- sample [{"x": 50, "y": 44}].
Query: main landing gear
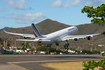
[
  {"x": 57, "y": 44},
  {"x": 67, "y": 44}
]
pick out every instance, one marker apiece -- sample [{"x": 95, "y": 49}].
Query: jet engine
[
  {"x": 40, "y": 40},
  {"x": 26, "y": 37},
  {"x": 76, "y": 39},
  {"x": 57, "y": 44},
  {"x": 89, "y": 37}
]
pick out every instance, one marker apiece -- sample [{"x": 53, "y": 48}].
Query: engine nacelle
[
  {"x": 76, "y": 39},
  {"x": 90, "y": 37},
  {"x": 40, "y": 41},
  {"x": 26, "y": 37}
]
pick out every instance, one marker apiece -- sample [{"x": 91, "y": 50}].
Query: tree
[
  {"x": 98, "y": 14},
  {"x": 45, "y": 48},
  {"x": 32, "y": 49},
  {"x": 24, "y": 46},
  {"x": 8, "y": 44},
  {"x": 1, "y": 44}
]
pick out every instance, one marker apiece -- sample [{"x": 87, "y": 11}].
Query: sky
[{"x": 22, "y": 13}]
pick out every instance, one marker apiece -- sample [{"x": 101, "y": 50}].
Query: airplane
[{"x": 56, "y": 37}]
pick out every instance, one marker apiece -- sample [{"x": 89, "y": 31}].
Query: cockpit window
[{"x": 71, "y": 29}]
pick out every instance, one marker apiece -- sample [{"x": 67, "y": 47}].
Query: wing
[
  {"x": 76, "y": 37},
  {"x": 23, "y": 35},
  {"x": 35, "y": 40}
]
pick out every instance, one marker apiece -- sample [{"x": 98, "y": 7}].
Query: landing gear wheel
[
  {"x": 57, "y": 44},
  {"x": 66, "y": 45}
]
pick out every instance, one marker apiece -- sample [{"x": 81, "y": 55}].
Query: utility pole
[
  {"x": 95, "y": 48},
  {"x": 15, "y": 43},
  {"x": 91, "y": 49},
  {"x": 4, "y": 43},
  {"x": 78, "y": 47}
]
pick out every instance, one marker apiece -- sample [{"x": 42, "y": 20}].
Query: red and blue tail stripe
[{"x": 35, "y": 31}]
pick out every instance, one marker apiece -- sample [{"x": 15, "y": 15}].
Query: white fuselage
[{"x": 57, "y": 36}]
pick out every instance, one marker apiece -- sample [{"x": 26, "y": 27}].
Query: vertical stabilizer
[{"x": 35, "y": 31}]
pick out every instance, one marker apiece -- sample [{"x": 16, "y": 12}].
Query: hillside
[
  {"x": 47, "y": 26},
  {"x": 6, "y": 28}
]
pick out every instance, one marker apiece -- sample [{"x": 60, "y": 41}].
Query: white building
[{"x": 70, "y": 51}]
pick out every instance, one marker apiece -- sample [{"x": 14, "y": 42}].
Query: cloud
[
  {"x": 102, "y": 0},
  {"x": 28, "y": 18},
  {"x": 93, "y": 2},
  {"x": 67, "y": 3},
  {"x": 2, "y": 9},
  {"x": 71, "y": 3},
  {"x": 16, "y": 4},
  {"x": 30, "y": 8},
  {"x": 57, "y": 3},
  {"x": 75, "y": 2},
  {"x": 83, "y": 2},
  {"x": 86, "y": 2}
]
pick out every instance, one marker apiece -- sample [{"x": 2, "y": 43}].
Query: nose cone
[{"x": 76, "y": 28}]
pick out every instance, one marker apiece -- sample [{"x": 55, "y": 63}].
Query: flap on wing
[{"x": 68, "y": 37}]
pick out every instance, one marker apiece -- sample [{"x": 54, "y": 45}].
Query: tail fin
[{"x": 35, "y": 31}]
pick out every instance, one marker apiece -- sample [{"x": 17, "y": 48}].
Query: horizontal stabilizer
[{"x": 25, "y": 40}]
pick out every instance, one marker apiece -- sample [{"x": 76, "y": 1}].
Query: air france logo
[{"x": 71, "y": 29}]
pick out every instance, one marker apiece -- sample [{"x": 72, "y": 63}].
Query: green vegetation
[
  {"x": 45, "y": 48},
  {"x": 8, "y": 45},
  {"x": 58, "y": 51},
  {"x": 91, "y": 52},
  {"x": 98, "y": 14},
  {"x": 1, "y": 43},
  {"x": 92, "y": 65},
  {"x": 32, "y": 49},
  {"x": 103, "y": 54},
  {"x": 24, "y": 46}
]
